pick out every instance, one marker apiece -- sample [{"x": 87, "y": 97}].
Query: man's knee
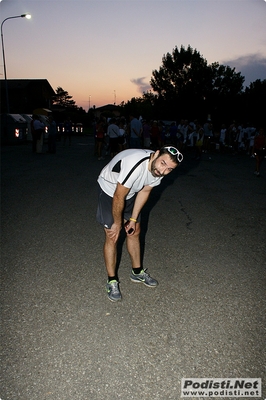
[{"x": 136, "y": 233}]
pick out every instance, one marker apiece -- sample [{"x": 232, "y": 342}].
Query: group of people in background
[
  {"x": 54, "y": 133},
  {"x": 116, "y": 134},
  {"x": 244, "y": 138}
]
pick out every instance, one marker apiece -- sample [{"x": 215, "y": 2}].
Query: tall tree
[
  {"x": 63, "y": 99},
  {"x": 254, "y": 100},
  {"x": 224, "y": 97},
  {"x": 140, "y": 106},
  {"x": 225, "y": 81},
  {"x": 191, "y": 87},
  {"x": 179, "y": 70},
  {"x": 182, "y": 81}
]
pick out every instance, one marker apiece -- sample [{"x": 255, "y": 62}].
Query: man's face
[{"x": 162, "y": 165}]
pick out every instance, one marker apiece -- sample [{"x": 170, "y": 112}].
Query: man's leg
[
  {"x": 110, "y": 251},
  {"x": 133, "y": 247},
  {"x": 138, "y": 275}
]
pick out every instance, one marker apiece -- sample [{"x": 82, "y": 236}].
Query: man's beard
[{"x": 155, "y": 171}]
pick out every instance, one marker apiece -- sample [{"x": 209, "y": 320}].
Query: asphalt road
[{"x": 203, "y": 239}]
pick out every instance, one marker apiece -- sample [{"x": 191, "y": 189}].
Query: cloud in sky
[
  {"x": 251, "y": 66},
  {"x": 141, "y": 84}
]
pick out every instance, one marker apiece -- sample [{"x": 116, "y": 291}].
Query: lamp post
[{"x": 28, "y": 16}]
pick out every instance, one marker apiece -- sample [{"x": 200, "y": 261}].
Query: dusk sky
[{"x": 103, "y": 52}]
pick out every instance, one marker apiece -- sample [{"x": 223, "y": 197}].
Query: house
[
  {"x": 109, "y": 110},
  {"x": 25, "y": 95}
]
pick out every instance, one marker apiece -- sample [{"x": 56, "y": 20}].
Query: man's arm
[
  {"x": 140, "y": 200},
  {"x": 119, "y": 203}
]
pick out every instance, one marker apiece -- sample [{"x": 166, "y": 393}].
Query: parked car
[{"x": 14, "y": 129}]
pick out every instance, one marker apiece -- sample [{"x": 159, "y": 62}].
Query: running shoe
[
  {"x": 143, "y": 277},
  {"x": 113, "y": 291}
]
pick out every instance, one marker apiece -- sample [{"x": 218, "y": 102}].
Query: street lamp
[{"x": 28, "y": 16}]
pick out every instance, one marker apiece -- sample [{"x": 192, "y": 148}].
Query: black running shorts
[{"x": 104, "y": 211}]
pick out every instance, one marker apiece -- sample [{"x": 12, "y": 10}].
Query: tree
[
  {"x": 254, "y": 100},
  {"x": 179, "y": 70},
  {"x": 192, "y": 88},
  {"x": 63, "y": 99},
  {"x": 225, "y": 93},
  {"x": 182, "y": 81},
  {"x": 140, "y": 106}
]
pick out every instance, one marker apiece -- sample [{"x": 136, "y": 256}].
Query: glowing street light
[{"x": 28, "y": 16}]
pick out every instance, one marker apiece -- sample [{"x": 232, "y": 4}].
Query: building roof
[
  {"x": 109, "y": 107},
  {"x": 15, "y": 84},
  {"x": 24, "y": 95}
]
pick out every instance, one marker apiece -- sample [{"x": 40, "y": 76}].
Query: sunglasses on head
[{"x": 172, "y": 150}]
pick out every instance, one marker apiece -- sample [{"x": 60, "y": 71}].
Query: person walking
[
  {"x": 155, "y": 135},
  {"x": 173, "y": 133},
  {"x": 38, "y": 126},
  {"x": 136, "y": 130},
  {"x": 208, "y": 135},
  {"x": 67, "y": 131},
  {"x": 199, "y": 141},
  {"x": 113, "y": 133},
  {"x": 122, "y": 141},
  {"x": 146, "y": 134},
  {"x": 259, "y": 150},
  {"x": 222, "y": 137},
  {"x": 125, "y": 184},
  {"x": 99, "y": 137}
]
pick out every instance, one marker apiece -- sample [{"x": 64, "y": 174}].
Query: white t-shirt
[
  {"x": 113, "y": 131},
  {"x": 122, "y": 132},
  {"x": 124, "y": 169}
]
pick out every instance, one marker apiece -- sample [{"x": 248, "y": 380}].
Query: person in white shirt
[
  {"x": 222, "y": 137},
  {"x": 114, "y": 134},
  {"x": 124, "y": 187}
]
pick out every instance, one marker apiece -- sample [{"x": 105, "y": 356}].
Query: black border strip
[{"x": 133, "y": 169}]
